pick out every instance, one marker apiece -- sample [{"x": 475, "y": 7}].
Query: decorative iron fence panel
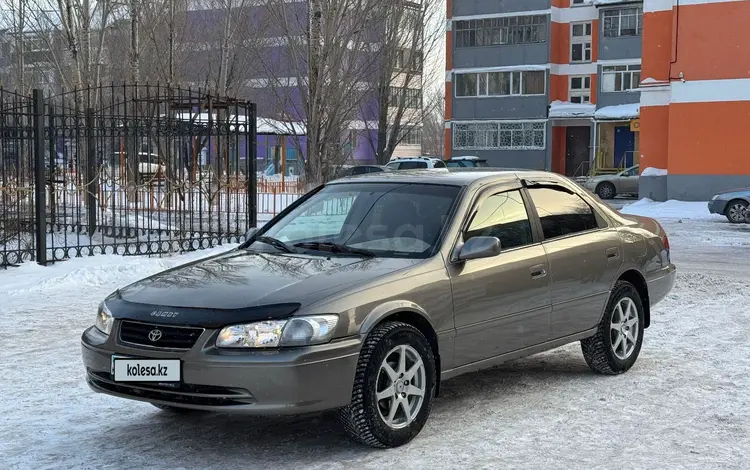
[{"x": 133, "y": 170}]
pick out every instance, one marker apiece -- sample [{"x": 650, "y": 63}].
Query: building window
[
  {"x": 412, "y": 97},
  {"x": 521, "y": 83},
  {"x": 411, "y": 136},
  {"x": 580, "y": 89},
  {"x": 623, "y": 22},
  {"x": 502, "y": 31},
  {"x": 620, "y": 77},
  {"x": 580, "y": 42},
  {"x": 500, "y": 136}
]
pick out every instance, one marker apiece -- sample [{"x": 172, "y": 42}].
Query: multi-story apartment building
[
  {"x": 545, "y": 84},
  {"x": 695, "y": 97}
]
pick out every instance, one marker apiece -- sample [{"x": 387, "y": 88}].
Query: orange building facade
[
  {"x": 663, "y": 84},
  {"x": 695, "y": 97}
]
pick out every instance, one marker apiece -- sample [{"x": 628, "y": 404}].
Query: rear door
[
  {"x": 501, "y": 304},
  {"x": 584, "y": 255}
]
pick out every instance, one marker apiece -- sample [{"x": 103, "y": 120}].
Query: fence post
[
  {"x": 40, "y": 185},
  {"x": 252, "y": 188},
  {"x": 92, "y": 176}
]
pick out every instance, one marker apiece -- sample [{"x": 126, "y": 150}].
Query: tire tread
[{"x": 353, "y": 416}]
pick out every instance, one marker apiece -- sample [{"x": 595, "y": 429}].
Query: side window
[
  {"x": 454, "y": 164},
  {"x": 561, "y": 212},
  {"x": 412, "y": 165},
  {"x": 393, "y": 165},
  {"x": 439, "y": 164},
  {"x": 504, "y": 216}
]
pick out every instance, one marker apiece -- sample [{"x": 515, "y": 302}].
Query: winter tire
[
  {"x": 606, "y": 190},
  {"x": 614, "y": 348},
  {"x": 394, "y": 387},
  {"x": 736, "y": 211}
]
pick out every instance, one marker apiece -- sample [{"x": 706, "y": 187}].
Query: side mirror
[
  {"x": 250, "y": 232},
  {"x": 479, "y": 247}
]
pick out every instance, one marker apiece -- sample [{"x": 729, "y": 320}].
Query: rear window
[{"x": 412, "y": 165}]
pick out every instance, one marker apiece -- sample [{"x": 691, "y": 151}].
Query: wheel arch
[
  {"x": 415, "y": 317},
  {"x": 639, "y": 282}
]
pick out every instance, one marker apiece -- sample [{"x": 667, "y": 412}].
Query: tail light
[{"x": 666, "y": 242}]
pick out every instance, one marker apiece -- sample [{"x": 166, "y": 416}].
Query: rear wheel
[
  {"x": 606, "y": 190},
  {"x": 394, "y": 387},
  {"x": 617, "y": 343},
  {"x": 736, "y": 211}
]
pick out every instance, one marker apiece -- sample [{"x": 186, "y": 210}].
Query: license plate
[{"x": 145, "y": 370}]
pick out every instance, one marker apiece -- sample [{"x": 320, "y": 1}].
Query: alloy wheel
[
  {"x": 400, "y": 386},
  {"x": 624, "y": 328},
  {"x": 737, "y": 212}
]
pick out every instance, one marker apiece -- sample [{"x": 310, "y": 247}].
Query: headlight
[
  {"x": 297, "y": 331},
  {"x": 104, "y": 319}
]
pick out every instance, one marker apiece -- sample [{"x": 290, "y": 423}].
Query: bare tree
[
  {"x": 409, "y": 36},
  {"x": 73, "y": 32},
  {"x": 433, "y": 127},
  {"x": 329, "y": 56}
]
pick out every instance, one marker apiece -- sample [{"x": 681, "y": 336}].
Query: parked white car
[{"x": 415, "y": 163}]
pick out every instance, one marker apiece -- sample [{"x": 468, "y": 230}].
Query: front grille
[
  {"x": 185, "y": 394},
  {"x": 170, "y": 337}
]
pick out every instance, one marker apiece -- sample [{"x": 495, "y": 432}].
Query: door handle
[
  {"x": 538, "y": 271},
  {"x": 613, "y": 253}
]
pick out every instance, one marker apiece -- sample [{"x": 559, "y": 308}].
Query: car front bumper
[
  {"x": 279, "y": 381},
  {"x": 717, "y": 206}
]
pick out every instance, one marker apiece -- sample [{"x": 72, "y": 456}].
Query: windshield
[{"x": 387, "y": 219}]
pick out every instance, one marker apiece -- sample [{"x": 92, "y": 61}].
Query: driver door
[{"x": 501, "y": 304}]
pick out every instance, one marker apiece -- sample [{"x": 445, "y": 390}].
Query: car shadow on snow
[{"x": 222, "y": 438}]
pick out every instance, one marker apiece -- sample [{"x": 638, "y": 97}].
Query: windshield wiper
[
  {"x": 335, "y": 248},
  {"x": 276, "y": 243}
]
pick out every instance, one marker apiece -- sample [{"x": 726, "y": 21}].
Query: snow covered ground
[{"x": 685, "y": 404}]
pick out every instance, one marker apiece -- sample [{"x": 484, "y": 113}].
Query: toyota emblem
[{"x": 154, "y": 335}]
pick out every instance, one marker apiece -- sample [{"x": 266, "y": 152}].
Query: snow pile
[
  {"x": 671, "y": 209},
  {"x": 651, "y": 171},
  {"x": 566, "y": 109},
  {"x": 620, "y": 111}
]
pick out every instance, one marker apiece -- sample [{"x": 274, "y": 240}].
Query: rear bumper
[
  {"x": 661, "y": 283},
  {"x": 293, "y": 381}
]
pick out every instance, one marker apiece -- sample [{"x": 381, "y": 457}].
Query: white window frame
[
  {"x": 501, "y": 127},
  {"x": 483, "y": 82},
  {"x": 584, "y": 92},
  {"x": 586, "y": 41},
  {"x": 619, "y": 14},
  {"x": 630, "y": 69}
]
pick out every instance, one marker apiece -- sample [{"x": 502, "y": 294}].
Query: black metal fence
[{"x": 132, "y": 170}]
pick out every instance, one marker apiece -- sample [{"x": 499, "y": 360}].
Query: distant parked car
[
  {"x": 609, "y": 186},
  {"x": 466, "y": 162},
  {"x": 361, "y": 170},
  {"x": 415, "y": 163},
  {"x": 733, "y": 204}
]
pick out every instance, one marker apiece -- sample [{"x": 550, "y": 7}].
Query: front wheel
[
  {"x": 614, "y": 348},
  {"x": 394, "y": 387},
  {"x": 736, "y": 211}
]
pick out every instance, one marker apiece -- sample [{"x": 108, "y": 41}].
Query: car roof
[
  {"x": 453, "y": 176},
  {"x": 464, "y": 158}
]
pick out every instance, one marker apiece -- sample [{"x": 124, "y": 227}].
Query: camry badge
[
  {"x": 154, "y": 335},
  {"x": 164, "y": 314}
]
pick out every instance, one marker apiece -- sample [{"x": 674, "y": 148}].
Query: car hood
[
  {"x": 246, "y": 280},
  {"x": 740, "y": 191}
]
